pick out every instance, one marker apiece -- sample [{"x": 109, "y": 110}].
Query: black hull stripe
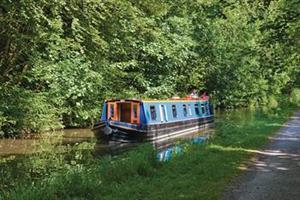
[
  {"x": 153, "y": 128},
  {"x": 157, "y": 133}
]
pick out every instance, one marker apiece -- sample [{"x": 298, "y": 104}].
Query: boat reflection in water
[
  {"x": 166, "y": 147},
  {"x": 127, "y": 122}
]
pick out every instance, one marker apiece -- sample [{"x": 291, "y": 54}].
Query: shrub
[
  {"x": 25, "y": 111},
  {"x": 272, "y": 102},
  {"x": 295, "y": 96},
  {"x": 2, "y": 121}
]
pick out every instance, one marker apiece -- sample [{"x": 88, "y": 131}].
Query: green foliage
[
  {"x": 74, "y": 88},
  {"x": 76, "y": 54},
  {"x": 295, "y": 96},
  {"x": 25, "y": 111},
  {"x": 2, "y": 121},
  {"x": 272, "y": 102}
]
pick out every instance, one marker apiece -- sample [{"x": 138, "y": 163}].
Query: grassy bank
[{"x": 202, "y": 172}]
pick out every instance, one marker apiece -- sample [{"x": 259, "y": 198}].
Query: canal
[{"x": 34, "y": 158}]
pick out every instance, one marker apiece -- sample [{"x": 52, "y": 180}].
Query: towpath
[{"x": 275, "y": 172}]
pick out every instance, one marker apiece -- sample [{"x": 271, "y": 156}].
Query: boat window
[
  {"x": 184, "y": 110},
  {"x": 153, "y": 112},
  {"x": 174, "y": 111},
  {"x": 190, "y": 110},
  {"x": 112, "y": 109},
  {"x": 203, "y": 110},
  {"x": 135, "y": 111},
  {"x": 197, "y": 109},
  {"x": 163, "y": 114},
  {"x": 207, "y": 109}
]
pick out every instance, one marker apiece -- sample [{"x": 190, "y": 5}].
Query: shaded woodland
[{"x": 60, "y": 59}]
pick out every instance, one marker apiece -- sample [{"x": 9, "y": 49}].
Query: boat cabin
[
  {"x": 147, "y": 112},
  {"x": 122, "y": 110}
]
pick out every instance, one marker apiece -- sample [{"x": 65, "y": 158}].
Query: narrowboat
[{"x": 131, "y": 119}]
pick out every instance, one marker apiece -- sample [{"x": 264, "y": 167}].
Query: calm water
[
  {"x": 28, "y": 146},
  {"x": 28, "y": 160}
]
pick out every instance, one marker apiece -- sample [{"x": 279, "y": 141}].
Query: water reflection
[
  {"x": 17, "y": 146},
  {"x": 115, "y": 147},
  {"x": 73, "y": 136},
  {"x": 27, "y": 160},
  {"x": 40, "y": 143},
  {"x": 49, "y": 141}
]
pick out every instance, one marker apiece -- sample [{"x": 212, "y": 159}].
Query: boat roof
[{"x": 185, "y": 99}]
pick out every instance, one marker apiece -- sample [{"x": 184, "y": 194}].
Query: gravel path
[{"x": 275, "y": 172}]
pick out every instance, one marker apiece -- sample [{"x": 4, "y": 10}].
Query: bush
[
  {"x": 39, "y": 114},
  {"x": 295, "y": 96},
  {"x": 24, "y": 111},
  {"x": 2, "y": 121},
  {"x": 272, "y": 102}
]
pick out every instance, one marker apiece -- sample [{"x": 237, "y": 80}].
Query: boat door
[
  {"x": 135, "y": 113},
  {"x": 163, "y": 113},
  {"x": 112, "y": 111}
]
